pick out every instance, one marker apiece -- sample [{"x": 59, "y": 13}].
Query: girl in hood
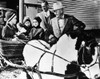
[
  {"x": 36, "y": 32},
  {"x": 24, "y": 28},
  {"x": 27, "y": 25}
]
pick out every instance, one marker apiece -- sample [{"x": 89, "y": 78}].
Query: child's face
[
  {"x": 27, "y": 23},
  {"x": 14, "y": 20},
  {"x": 35, "y": 23}
]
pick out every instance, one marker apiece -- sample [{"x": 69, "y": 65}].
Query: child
[
  {"x": 10, "y": 29},
  {"x": 27, "y": 25},
  {"x": 36, "y": 32},
  {"x": 21, "y": 30},
  {"x": 24, "y": 28}
]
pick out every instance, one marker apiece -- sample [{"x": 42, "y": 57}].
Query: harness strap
[{"x": 43, "y": 44}]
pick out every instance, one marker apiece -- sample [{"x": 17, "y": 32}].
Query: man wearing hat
[
  {"x": 63, "y": 24},
  {"x": 46, "y": 15}
]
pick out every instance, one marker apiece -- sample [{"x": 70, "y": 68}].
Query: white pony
[{"x": 45, "y": 58}]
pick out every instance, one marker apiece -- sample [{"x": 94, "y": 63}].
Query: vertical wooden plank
[{"x": 21, "y": 8}]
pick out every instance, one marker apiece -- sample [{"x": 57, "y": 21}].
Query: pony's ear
[{"x": 73, "y": 34}]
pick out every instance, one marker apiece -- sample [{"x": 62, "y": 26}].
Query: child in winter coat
[
  {"x": 24, "y": 28},
  {"x": 36, "y": 32}
]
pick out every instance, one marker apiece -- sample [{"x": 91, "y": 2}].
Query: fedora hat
[{"x": 57, "y": 5}]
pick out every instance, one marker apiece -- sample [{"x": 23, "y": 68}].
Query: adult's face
[
  {"x": 59, "y": 12},
  {"x": 44, "y": 7}
]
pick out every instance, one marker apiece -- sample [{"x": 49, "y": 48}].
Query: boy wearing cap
[
  {"x": 10, "y": 29},
  {"x": 63, "y": 24}
]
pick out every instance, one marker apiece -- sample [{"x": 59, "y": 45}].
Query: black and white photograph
[{"x": 49, "y": 39}]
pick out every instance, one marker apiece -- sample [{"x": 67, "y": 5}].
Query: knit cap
[
  {"x": 8, "y": 14},
  {"x": 11, "y": 17}
]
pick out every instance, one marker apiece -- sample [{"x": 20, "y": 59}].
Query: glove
[{"x": 52, "y": 40}]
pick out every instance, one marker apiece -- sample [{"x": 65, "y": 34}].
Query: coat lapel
[
  {"x": 55, "y": 23},
  {"x": 65, "y": 24},
  {"x": 44, "y": 18}
]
